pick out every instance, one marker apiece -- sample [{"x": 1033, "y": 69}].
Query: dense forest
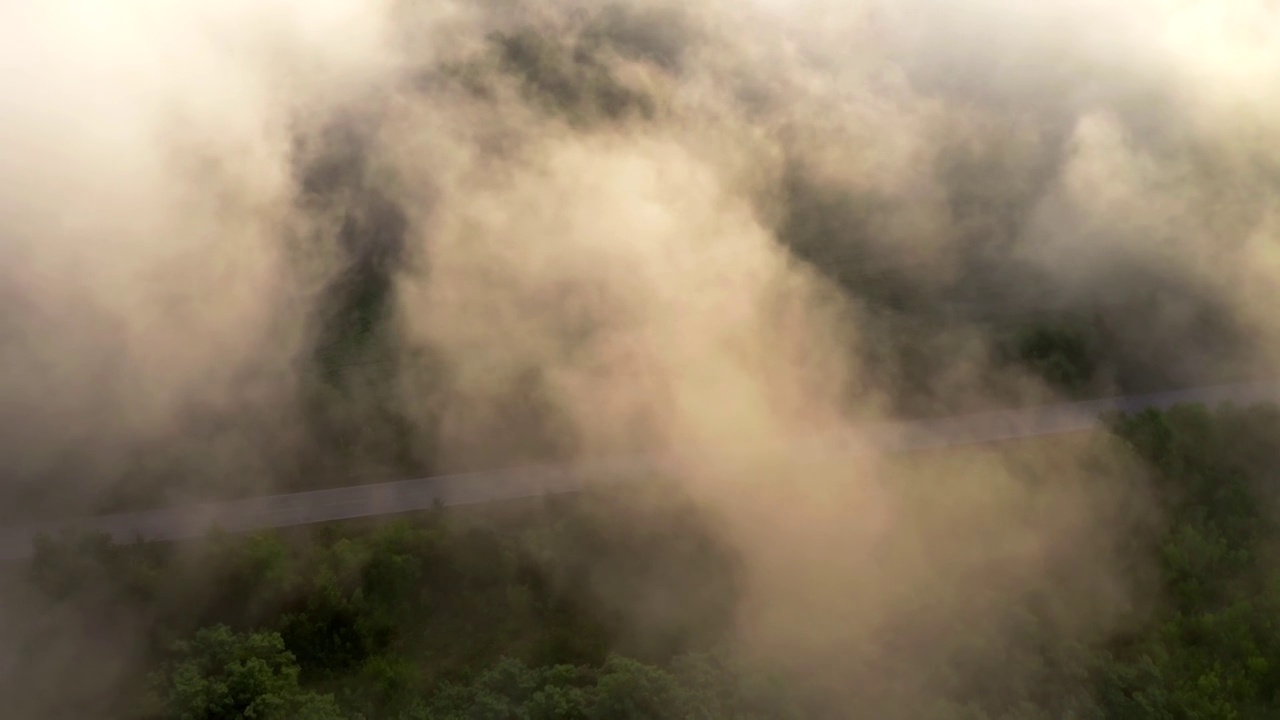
[{"x": 526, "y": 612}]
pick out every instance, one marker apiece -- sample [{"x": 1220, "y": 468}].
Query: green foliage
[
  {"x": 695, "y": 687},
  {"x": 222, "y": 675},
  {"x": 1214, "y": 652},
  {"x": 1063, "y": 354},
  {"x": 534, "y": 615}
]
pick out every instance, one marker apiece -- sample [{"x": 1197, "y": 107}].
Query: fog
[{"x": 248, "y": 243}]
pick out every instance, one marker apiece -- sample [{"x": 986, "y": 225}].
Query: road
[{"x": 363, "y": 501}]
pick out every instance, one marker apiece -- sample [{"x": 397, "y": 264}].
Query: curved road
[{"x": 363, "y": 501}]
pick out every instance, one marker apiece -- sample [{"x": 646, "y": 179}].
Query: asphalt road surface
[{"x": 391, "y": 498}]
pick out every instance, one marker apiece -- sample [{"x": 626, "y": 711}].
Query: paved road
[{"x": 423, "y": 493}]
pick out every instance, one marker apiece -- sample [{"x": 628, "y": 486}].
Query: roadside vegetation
[{"x": 526, "y": 612}]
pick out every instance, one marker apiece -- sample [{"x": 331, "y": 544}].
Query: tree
[
  {"x": 1063, "y": 355},
  {"x": 222, "y": 675}
]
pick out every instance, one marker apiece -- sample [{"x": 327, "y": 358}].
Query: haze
[{"x": 252, "y": 244}]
